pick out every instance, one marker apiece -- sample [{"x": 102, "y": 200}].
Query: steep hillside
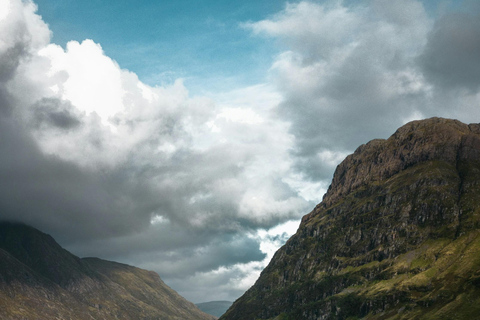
[
  {"x": 396, "y": 236},
  {"x": 41, "y": 280}
]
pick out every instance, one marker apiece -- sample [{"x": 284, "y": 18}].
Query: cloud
[
  {"x": 304, "y": 26},
  {"x": 22, "y": 32},
  {"x": 55, "y": 113},
  {"x": 232, "y": 280},
  {"x": 93, "y": 82},
  {"x": 353, "y": 73},
  {"x": 450, "y": 58},
  {"x": 149, "y": 175}
]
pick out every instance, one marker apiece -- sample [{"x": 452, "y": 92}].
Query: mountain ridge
[
  {"x": 396, "y": 236},
  {"x": 41, "y": 280}
]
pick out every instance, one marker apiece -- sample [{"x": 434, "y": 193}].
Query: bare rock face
[
  {"x": 397, "y": 235},
  {"x": 41, "y": 280},
  {"x": 417, "y": 142}
]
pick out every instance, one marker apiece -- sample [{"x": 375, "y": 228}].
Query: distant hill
[
  {"x": 215, "y": 308},
  {"x": 397, "y": 236},
  {"x": 41, "y": 280}
]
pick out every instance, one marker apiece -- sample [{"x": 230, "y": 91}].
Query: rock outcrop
[
  {"x": 41, "y": 280},
  {"x": 397, "y": 235}
]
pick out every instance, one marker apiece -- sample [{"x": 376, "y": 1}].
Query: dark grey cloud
[
  {"x": 5, "y": 102},
  {"x": 56, "y": 113},
  {"x": 451, "y": 57},
  {"x": 10, "y": 59},
  {"x": 57, "y": 196},
  {"x": 220, "y": 286},
  {"x": 174, "y": 251}
]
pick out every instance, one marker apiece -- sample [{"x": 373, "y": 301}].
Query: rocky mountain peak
[{"x": 416, "y": 142}]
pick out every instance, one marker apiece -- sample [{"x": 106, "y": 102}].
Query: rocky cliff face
[
  {"x": 397, "y": 235},
  {"x": 41, "y": 280}
]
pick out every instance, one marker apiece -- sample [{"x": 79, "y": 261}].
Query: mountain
[
  {"x": 396, "y": 236},
  {"x": 41, "y": 280},
  {"x": 215, "y": 308}
]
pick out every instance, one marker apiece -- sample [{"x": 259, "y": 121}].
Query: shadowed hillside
[{"x": 41, "y": 280}]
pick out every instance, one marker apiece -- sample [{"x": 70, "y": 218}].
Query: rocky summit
[
  {"x": 397, "y": 235},
  {"x": 40, "y": 280}
]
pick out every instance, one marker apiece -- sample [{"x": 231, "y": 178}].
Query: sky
[{"x": 190, "y": 137}]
